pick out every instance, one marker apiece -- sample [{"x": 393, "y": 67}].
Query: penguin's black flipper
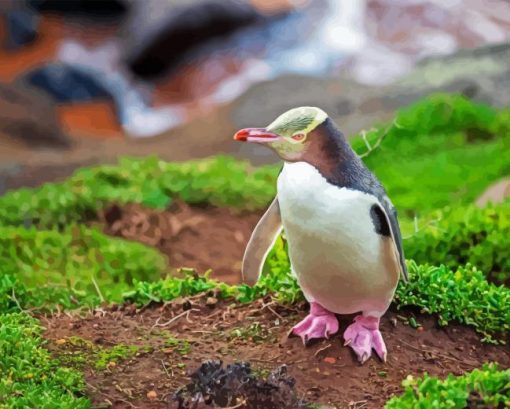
[
  {"x": 386, "y": 223},
  {"x": 261, "y": 242}
]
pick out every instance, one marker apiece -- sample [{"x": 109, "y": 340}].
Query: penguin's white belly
[{"x": 339, "y": 259}]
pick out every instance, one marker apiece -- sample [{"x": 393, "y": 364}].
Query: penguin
[{"x": 342, "y": 230}]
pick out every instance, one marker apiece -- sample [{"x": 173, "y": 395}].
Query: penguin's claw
[
  {"x": 320, "y": 323},
  {"x": 363, "y": 335}
]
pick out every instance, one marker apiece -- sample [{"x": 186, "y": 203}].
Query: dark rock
[
  {"x": 29, "y": 116},
  {"x": 160, "y": 34}
]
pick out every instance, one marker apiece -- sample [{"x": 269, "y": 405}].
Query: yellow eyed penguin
[{"x": 343, "y": 236}]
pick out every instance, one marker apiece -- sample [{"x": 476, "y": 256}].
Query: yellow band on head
[{"x": 302, "y": 119}]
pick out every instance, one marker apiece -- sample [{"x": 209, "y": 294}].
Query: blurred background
[{"x": 86, "y": 81}]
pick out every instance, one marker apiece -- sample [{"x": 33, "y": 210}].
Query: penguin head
[{"x": 290, "y": 135}]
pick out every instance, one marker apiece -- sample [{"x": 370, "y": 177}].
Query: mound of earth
[
  {"x": 173, "y": 340},
  {"x": 197, "y": 237}
]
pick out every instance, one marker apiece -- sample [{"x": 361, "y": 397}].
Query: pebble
[
  {"x": 152, "y": 395},
  {"x": 211, "y": 301}
]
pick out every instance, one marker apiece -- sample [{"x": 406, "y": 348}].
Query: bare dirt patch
[
  {"x": 202, "y": 238},
  {"x": 176, "y": 338}
]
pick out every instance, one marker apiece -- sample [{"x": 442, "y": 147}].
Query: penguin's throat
[
  {"x": 288, "y": 152},
  {"x": 332, "y": 157}
]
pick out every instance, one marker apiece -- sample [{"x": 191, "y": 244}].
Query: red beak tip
[
  {"x": 241, "y": 135},
  {"x": 254, "y": 135}
]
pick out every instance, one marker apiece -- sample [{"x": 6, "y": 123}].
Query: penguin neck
[{"x": 332, "y": 156}]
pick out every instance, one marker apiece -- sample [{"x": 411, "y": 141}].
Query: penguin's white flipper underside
[
  {"x": 261, "y": 242},
  {"x": 389, "y": 222}
]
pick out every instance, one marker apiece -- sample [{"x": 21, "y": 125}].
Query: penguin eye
[{"x": 299, "y": 137}]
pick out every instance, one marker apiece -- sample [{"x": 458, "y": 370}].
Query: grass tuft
[
  {"x": 463, "y": 295},
  {"x": 488, "y": 387},
  {"x": 29, "y": 377}
]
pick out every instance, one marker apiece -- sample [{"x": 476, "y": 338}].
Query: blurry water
[
  {"x": 375, "y": 41},
  {"x": 312, "y": 40}
]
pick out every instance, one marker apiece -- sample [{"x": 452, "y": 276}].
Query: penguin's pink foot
[
  {"x": 363, "y": 335},
  {"x": 320, "y": 323}
]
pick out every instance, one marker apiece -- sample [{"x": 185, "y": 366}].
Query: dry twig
[{"x": 187, "y": 312}]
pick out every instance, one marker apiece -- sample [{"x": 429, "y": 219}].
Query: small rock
[
  {"x": 152, "y": 395},
  {"x": 211, "y": 301},
  {"x": 61, "y": 341}
]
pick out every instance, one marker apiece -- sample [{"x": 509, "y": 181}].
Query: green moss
[
  {"x": 181, "y": 346},
  {"x": 15, "y": 294},
  {"x": 105, "y": 356},
  {"x": 463, "y": 295},
  {"x": 488, "y": 387},
  {"x": 255, "y": 332},
  {"x": 81, "y": 259},
  {"x": 80, "y": 353},
  {"x": 29, "y": 377},
  {"x": 219, "y": 181},
  {"x": 444, "y": 149},
  {"x": 461, "y": 235}
]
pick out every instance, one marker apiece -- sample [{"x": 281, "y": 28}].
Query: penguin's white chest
[{"x": 339, "y": 259}]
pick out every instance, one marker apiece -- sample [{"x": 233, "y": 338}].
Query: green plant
[
  {"x": 77, "y": 353},
  {"x": 462, "y": 295},
  {"x": 441, "y": 150},
  {"x": 427, "y": 126},
  {"x": 143, "y": 292},
  {"x": 79, "y": 258},
  {"x": 256, "y": 332},
  {"x": 181, "y": 346},
  {"x": 219, "y": 181},
  {"x": 105, "y": 356},
  {"x": 461, "y": 235},
  {"x": 488, "y": 387},
  {"x": 29, "y": 377},
  {"x": 15, "y": 296}
]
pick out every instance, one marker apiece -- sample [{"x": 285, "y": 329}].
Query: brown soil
[
  {"x": 149, "y": 379},
  {"x": 196, "y": 237}
]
